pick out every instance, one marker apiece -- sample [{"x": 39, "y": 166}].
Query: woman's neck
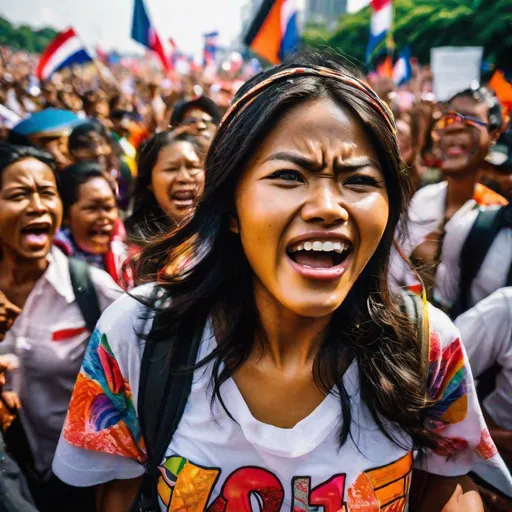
[
  {"x": 459, "y": 191},
  {"x": 289, "y": 340},
  {"x": 17, "y": 271}
]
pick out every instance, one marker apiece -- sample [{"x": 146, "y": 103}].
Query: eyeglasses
[
  {"x": 197, "y": 120},
  {"x": 454, "y": 117}
]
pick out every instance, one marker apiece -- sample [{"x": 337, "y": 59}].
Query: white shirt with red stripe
[{"x": 47, "y": 342}]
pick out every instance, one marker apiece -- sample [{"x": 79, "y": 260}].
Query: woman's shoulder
[{"x": 126, "y": 318}]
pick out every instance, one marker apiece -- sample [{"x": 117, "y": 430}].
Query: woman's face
[
  {"x": 30, "y": 209},
  {"x": 311, "y": 209},
  {"x": 92, "y": 218},
  {"x": 177, "y": 179}
]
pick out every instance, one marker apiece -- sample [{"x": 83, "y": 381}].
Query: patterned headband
[{"x": 239, "y": 105}]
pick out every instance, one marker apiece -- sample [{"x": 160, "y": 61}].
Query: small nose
[
  {"x": 455, "y": 127},
  {"x": 324, "y": 204},
  {"x": 184, "y": 175},
  {"x": 36, "y": 204}
]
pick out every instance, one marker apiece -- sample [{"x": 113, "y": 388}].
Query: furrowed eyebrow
[
  {"x": 356, "y": 163},
  {"x": 315, "y": 166},
  {"x": 294, "y": 158}
]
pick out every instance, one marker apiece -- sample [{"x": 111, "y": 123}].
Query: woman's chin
[
  {"x": 92, "y": 248},
  {"x": 314, "y": 307}
]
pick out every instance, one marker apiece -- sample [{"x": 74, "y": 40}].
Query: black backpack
[
  {"x": 164, "y": 391},
  {"x": 480, "y": 238},
  {"x": 85, "y": 293}
]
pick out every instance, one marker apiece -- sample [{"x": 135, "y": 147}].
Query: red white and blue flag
[
  {"x": 381, "y": 23},
  {"x": 402, "y": 71},
  {"x": 145, "y": 33},
  {"x": 274, "y": 32},
  {"x": 65, "y": 50},
  {"x": 211, "y": 44}
]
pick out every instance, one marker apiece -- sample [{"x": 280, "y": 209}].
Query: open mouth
[
  {"x": 455, "y": 150},
  {"x": 455, "y": 147},
  {"x": 37, "y": 235},
  {"x": 321, "y": 259},
  {"x": 183, "y": 198},
  {"x": 100, "y": 235}
]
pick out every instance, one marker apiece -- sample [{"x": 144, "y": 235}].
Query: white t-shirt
[
  {"x": 493, "y": 273},
  {"x": 487, "y": 335},
  {"x": 425, "y": 215},
  {"x": 214, "y": 463}
]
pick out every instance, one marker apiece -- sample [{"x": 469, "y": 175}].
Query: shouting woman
[
  {"x": 45, "y": 330},
  {"x": 307, "y": 392}
]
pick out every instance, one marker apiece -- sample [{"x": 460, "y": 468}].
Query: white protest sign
[{"x": 455, "y": 69}]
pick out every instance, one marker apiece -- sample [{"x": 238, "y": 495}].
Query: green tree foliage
[
  {"x": 25, "y": 37},
  {"x": 424, "y": 24}
]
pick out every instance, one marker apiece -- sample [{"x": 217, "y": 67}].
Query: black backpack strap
[
  {"x": 163, "y": 392},
  {"x": 85, "y": 292},
  {"x": 480, "y": 238},
  {"x": 509, "y": 277}
]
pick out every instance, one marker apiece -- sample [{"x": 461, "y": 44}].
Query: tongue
[
  {"x": 314, "y": 259},
  {"x": 36, "y": 239}
]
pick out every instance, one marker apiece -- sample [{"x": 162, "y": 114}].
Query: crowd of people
[{"x": 292, "y": 295}]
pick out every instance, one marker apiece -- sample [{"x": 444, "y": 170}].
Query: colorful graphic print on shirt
[
  {"x": 448, "y": 391},
  {"x": 186, "y": 487},
  {"x": 101, "y": 414}
]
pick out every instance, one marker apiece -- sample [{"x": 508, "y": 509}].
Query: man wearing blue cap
[{"x": 49, "y": 130}]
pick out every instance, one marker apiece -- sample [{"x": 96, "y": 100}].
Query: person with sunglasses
[
  {"x": 201, "y": 113},
  {"x": 465, "y": 132}
]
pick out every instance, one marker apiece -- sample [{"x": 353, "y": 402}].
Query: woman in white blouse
[{"x": 44, "y": 330}]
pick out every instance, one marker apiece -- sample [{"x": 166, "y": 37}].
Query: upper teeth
[{"x": 319, "y": 246}]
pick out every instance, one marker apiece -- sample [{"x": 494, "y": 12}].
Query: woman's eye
[
  {"x": 287, "y": 175},
  {"x": 362, "y": 180}
]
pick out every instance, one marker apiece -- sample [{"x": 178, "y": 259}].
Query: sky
[{"x": 107, "y": 23}]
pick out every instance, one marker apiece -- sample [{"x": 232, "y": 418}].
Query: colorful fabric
[
  {"x": 448, "y": 388},
  {"x": 101, "y": 413},
  {"x": 215, "y": 464}
]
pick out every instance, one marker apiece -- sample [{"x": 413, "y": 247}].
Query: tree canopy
[
  {"x": 24, "y": 37},
  {"x": 424, "y": 24}
]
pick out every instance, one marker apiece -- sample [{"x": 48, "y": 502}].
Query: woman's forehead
[
  {"x": 96, "y": 186},
  {"x": 27, "y": 169},
  {"x": 178, "y": 149},
  {"x": 469, "y": 106},
  {"x": 319, "y": 125}
]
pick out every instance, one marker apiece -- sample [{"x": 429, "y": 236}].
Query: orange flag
[{"x": 502, "y": 88}]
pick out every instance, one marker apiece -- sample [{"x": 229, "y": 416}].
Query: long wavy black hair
[{"x": 368, "y": 328}]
